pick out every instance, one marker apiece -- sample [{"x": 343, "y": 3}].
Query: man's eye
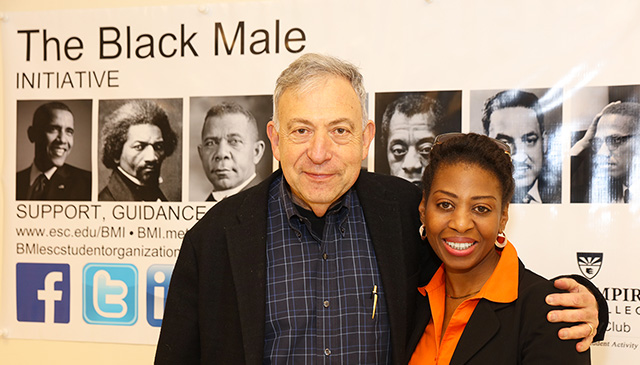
[
  {"x": 158, "y": 147},
  {"x": 398, "y": 150},
  {"x": 235, "y": 141},
  {"x": 301, "y": 131},
  {"x": 531, "y": 140},
  {"x": 138, "y": 147},
  {"x": 341, "y": 131},
  {"x": 424, "y": 149}
]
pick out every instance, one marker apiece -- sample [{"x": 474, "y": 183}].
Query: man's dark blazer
[
  {"x": 510, "y": 333},
  {"x": 67, "y": 183},
  {"x": 121, "y": 189},
  {"x": 215, "y": 309}
]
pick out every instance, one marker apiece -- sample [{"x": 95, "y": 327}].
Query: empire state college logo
[{"x": 589, "y": 263}]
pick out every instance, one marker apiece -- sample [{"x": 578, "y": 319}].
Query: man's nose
[
  {"x": 518, "y": 153},
  {"x": 412, "y": 161},
  {"x": 62, "y": 137},
  {"x": 319, "y": 149},
  {"x": 604, "y": 150},
  {"x": 150, "y": 154},
  {"x": 223, "y": 151}
]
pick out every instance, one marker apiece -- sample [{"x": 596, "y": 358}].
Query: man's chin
[
  {"x": 225, "y": 184},
  {"x": 58, "y": 161},
  {"x": 148, "y": 179}
]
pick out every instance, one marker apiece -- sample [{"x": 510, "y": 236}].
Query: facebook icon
[{"x": 42, "y": 292}]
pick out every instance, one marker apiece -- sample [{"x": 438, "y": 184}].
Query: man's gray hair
[{"x": 309, "y": 70}]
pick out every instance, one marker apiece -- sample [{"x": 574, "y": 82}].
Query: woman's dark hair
[{"x": 473, "y": 149}]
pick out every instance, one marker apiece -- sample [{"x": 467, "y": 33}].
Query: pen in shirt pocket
[{"x": 374, "y": 295}]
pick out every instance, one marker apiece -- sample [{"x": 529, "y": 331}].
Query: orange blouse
[{"x": 502, "y": 287}]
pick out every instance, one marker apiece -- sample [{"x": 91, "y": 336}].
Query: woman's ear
[
  {"x": 423, "y": 207},
  {"x": 504, "y": 218}
]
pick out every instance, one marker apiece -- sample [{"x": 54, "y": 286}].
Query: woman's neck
[{"x": 465, "y": 283}]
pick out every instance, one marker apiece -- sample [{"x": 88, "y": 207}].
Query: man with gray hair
[
  {"x": 318, "y": 263},
  {"x": 230, "y": 149}
]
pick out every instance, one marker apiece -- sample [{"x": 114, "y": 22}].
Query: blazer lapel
[
  {"x": 380, "y": 214},
  {"x": 57, "y": 183},
  {"x": 247, "y": 250},
  {"x": 423, "y": 316},
  {"x": 482, "y": 326}
]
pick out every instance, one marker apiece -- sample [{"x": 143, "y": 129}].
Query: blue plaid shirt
[{"x": 319, "y": 289}]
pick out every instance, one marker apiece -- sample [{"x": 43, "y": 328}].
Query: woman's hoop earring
[
  {"x": 423, "y": 232},
  {"x": 501, "y": 240}
]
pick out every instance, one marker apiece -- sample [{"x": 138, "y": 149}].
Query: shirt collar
[
  {"x": 502, "y": 286},
  {"x": 221, "y": 194},
  {"x": 534, "y": 192},
  {"x": 35, "y": 172},
  {"x": 290, "y": 209}
]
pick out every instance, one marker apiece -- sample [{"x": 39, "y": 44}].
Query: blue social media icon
[
  {"x": 110, "y": 294},
  {"x": 158, "y": 278},
  {"x": 42, "y": 292}
]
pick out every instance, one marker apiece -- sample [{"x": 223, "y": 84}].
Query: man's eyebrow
[
  {"x": 397, "y": 140},
  {"x": 504, "y": 136},
  {"x": 300, "y": 121},
  {"x": 342, "y": 121},
  {"x": 427, "y": 139}
]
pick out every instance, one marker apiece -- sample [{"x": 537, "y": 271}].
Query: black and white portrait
[
  {"x": 528, "y": 121},
  {"x": 53, "y": 150},
  {"x": 406, "y": 125},
  {"x": 605, "y": 146},
  {"x": 229, "y": 150},
  {"x": 140, "y": 151}
]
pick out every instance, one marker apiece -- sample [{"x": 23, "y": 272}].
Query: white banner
[{"x": 94, "y": 267}]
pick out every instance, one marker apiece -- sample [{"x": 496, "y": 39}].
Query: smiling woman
[{"x": 482, "y": 294}]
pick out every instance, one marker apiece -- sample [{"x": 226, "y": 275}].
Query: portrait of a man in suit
[
  {"x": 49, "y": 177},
  {"x": 230, "y": 149},
  {"x": 516, "y": 118},
  {"x": 137, "y": 138}
]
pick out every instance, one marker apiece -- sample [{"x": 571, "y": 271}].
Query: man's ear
[
  {"x": 200, "y": 151},
  {"x": 545, "y": 139},
  {"x": 274, "y": 138},
  {"x": 367, "y": 137},
  {"x": 258, "y": 151},
  {"x": 31, "y": 133}
]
